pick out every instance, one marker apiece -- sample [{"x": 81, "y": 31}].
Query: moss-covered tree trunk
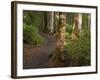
[
  {"x": 58, "y": 54},
  {"x": 61, "y": 32}
]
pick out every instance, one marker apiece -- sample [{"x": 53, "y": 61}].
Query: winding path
[{"x": 37, "y": 57}]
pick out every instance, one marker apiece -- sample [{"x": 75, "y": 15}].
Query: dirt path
[{"x": 38, "y": 57}]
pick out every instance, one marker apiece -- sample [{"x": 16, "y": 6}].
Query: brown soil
[{"x": 38, "y": 57}]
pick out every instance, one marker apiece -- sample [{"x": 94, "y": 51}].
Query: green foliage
[
  {"x": 33, "y": 18},
  {"x": 31, "y": 35},
  {"x": 33, "y": 22},
  {"x": 69, "y": 28},
  {"x": 79, "y": 50},
  {"x": 70, "y": 18}
]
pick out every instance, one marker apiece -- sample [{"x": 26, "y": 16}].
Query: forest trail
[{"x": 37, "y": 57}]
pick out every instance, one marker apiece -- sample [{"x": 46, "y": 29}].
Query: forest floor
[{"x": 38, "y": 57}]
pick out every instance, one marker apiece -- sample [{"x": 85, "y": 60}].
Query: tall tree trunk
[
  {"x": 58, "y": 54},
  {"x": 77, "y": 26},
  {"x": 61, "y": 32},
  {"x": 56, "y": 21},
  {"x": 89, "y": 22},
  {"x": 43, "y": 22},
  {"x": 50, "y": 22},
  {"x": 80, "y": 22}
]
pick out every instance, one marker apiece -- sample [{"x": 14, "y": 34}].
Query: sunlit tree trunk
[
  {"x": 58, "y": 54},
  {"x": 50, "y": 22},
  {"x": 56, "y": 21},
  {"x": 80, "y": 22},
  {"x": 77, "y": 26},
  {"x": 61, "y": 32}
]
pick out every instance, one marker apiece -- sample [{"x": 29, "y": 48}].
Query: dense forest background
[{"x": 70, "y": 30}]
